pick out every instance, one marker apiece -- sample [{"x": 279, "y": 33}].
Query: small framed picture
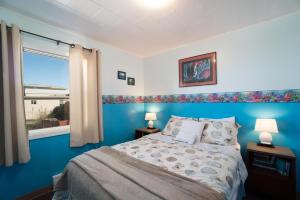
[
  {"x": 130, "y": 81},
  {"x": 121, "y": 75}
]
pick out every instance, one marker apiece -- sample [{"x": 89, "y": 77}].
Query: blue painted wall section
[
  {"x": 50, "y": 155},
  {"x": 286, "y": 114},
  {"x": 121, "y": 120}
]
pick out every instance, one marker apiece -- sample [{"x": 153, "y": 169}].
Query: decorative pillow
[
  {"x": 220, "y": 132},
  {"x": 190, "y": 131},
  {"x": 175, "y": 116},
  {"x": 174, "y": 124},
  {"x": 229, "y": 119}
]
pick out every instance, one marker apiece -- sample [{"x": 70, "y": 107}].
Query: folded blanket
[{"x": 106, "y": 173}]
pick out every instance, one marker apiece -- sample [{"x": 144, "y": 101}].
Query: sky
[{"x": 45, "y": 70}]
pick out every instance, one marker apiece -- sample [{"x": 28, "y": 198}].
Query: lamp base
[
  {"x": 265, "y": 145},
  {"x": 150, "y": 124},
  {"x": 265, "y": 138}
]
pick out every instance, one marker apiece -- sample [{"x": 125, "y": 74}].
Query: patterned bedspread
[{"x": 219, "y": 167}]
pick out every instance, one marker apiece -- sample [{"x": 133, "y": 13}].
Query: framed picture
[
  {"x": 130, "y": 81},
  {"x": 121, "y": 75},
  {"x": 198, "y": 70}
]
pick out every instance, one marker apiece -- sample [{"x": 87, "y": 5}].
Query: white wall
[
  {"x": 113, "y": 59},
  {"x": 260, "y": 57}
]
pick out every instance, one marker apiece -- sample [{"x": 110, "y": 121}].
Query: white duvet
[{"x": 219, "y": 167}]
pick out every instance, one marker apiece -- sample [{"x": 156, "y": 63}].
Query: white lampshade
[
  {"x": 150, "y": 116},
  {"x": 266, "y": 125}
]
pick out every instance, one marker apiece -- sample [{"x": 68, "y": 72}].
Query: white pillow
[
  {"x": 177, "y": 116},
  {"x": 174, "y": 125},
  {"x": 227, "y": 119},
  {"x": 190, "y": 132}
]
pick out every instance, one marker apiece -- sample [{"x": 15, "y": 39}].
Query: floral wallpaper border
[
  {"x": 121, "y": 99},
  {"x": 267, "y": 96}
]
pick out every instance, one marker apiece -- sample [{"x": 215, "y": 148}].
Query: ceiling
[{"x": 143, "y": 30}]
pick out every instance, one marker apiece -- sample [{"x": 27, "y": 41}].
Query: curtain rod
[{"x": 52, "y": 39}]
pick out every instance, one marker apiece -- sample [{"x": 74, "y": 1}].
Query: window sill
[{"x": 48, "y": 132}]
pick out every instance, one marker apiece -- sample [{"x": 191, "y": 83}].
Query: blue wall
[
  {"x": 50, "y": 155},
  {"x": 286, "y": 114}
]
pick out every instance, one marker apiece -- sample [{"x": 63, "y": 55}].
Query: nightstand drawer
[{"x": 275, "y": 186}]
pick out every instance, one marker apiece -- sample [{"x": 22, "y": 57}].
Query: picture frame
[
  {"x": 131, "y": 81},
  {"x": 121, "y": 75},
  {"x": 198, "y": 70}
]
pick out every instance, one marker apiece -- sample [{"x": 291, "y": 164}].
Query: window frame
[
  {"x": 53, "y": 131},
  {"x": 48, "y": 132}
]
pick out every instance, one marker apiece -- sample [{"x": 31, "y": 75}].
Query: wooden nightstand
[
  {"x": 272, "y": 171},
  {"x": 145, "y": 131}
]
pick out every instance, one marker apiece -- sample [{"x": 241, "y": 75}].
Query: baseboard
[{"x": 41, "y": 194}]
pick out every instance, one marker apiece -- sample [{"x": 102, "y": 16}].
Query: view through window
[{"x": 46, "y": 88}]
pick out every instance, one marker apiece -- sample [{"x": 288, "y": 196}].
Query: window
[{"x": 46, "y": 90}]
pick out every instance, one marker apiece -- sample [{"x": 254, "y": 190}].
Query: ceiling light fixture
[{"x": 156, "y": 3}]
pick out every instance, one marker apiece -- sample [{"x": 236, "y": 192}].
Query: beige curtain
[
  {"x": 85, "y": 97},
  {"x": 14, "y": 145}
]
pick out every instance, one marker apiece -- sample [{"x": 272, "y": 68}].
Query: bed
[{"x": 155, "y": 167}]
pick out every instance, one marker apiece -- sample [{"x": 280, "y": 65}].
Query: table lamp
[
  {"x": 150, "y": 117},
  {"x": 266, "y": 127}
]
